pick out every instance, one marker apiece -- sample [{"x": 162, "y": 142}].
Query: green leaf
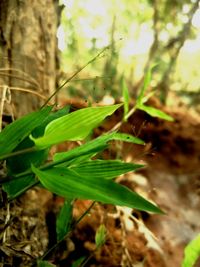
[
  {"x": 91, "y": 147},
  {"x": 100, "y": 237},
  {"x": 41, "y": 263},
  {"x": 128, "y": 138},
  {"x": 74, "y": 126},
  {"x": 125, "y": 98},
  {"x": 39, "y": 131},
  {"x": 64, "y": 219},
  {"x": 21, "y": 163},
  {"x": 192, "y": 252},
  {"x": 154, "y": 112},
  {"x": 13, "y": 134},
  {"x": 147, "y": 80},
  {"x": 67, "y": 183},
  {"x": 15, "y": 187},
  {"x": 97, "y": 145},
  {"x": 106, "y": 169},
  {"x": 78, "y": 262}
]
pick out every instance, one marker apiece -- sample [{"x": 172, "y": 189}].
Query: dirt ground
[{"x": 171, "y": 179}]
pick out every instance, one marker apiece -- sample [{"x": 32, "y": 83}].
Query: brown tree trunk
[{"x": 28, "y": 48}]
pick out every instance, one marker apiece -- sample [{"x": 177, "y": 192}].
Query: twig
[
  {"x": 33, "y": 80},
  {"x": 3, "y": 99},
  {"x": 16, "y": 77},
  {"x": 26, "y": 90},
  {"x": 48, "y": 252},
  {"x": 119, "y": 124},
  {"x": 74, "y": 75}
]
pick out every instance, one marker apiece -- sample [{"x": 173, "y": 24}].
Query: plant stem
[
  {"x": 49, "y": 251},
  {"x": 84, "y": 214},
  {"x": 74, "y": 75},
  {"x": 44, "y": 167},
  {"x": 17, "y": 153},
  {"x": 119, "y": 124}
]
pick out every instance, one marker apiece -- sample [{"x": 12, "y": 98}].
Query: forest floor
[{"x": 171, "y": 179}]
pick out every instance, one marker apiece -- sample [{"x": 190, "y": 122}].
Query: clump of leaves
[{"x": 25, "y": 143}]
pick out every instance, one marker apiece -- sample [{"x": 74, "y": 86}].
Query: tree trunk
[{"x": 28, "y": 48}]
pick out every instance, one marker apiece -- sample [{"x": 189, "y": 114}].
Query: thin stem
[
  {"x": 27, "y": 90},
  {"x": 17, "y": 153},
  {"x": 87, "y": 259},
  {"x": 75, "y": 74},
  {"x": 85, "y": 213},
  {"x": 46, "y": 166},
  {"x": 119, "y": 124},
  {"x": 49, "y": 251}
]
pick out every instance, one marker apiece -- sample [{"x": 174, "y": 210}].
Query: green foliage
[
  {"x": 73, "y": 174},
  {"x": 147, "y": 79},
  {"x": 125, "y": 94},
  {"x": 142, "y": 98},
  {"x": 78, "y": 262},
  {"x": 64, "y": 219},
  {"x": 90, "y": 148},
  {"x": 67, "y": 183},
  {"x": 75, "y": 126},
  {"x": 23, "y": 162},
  {"x": 192, "y": 252},
  {"x": 16, "y": 187},
  {"x": 154, "y": 112},
  {"x": 16, "y": 132},
  {"x": 41, "y": 263},
  {"x": 100, "y": 237},
  {"x": 104, "y": 169},
  {"x": 128, "y": 138}
]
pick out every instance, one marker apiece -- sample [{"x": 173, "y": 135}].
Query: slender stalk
[
  {"x": 84, "y": 214},
  {"x": 74, "y": 75},
  {"x": 17, "y": 153},
  {"x": 119, "y": 124},
  {"x": 49, "y": 251},
  {"x": 44, "y": 167}
]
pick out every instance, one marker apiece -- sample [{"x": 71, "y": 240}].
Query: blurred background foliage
[{"x": 138, "y": 34}]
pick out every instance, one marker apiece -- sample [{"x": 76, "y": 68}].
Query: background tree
[
  {"x": 174, "y": 19},
  {"x": 28, "y": 51}
]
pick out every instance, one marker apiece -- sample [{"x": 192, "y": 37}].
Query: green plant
[{"x": 25, "y": 143}]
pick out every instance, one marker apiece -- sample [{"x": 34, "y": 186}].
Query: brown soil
[{"x": 171, "y": 179}]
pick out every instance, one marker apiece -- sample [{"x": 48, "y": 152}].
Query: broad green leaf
[
  {"x": 20, "y": 163},
  {"x": 41, "y": 263},
  {"x": 74, "y": 126},
  {"x": 154, "y": 112},
  {"x": 192, "y": 252},
  {"x": 125, "y": 98},
  {"x": 39, "y": 131},
  {"x": 147, "y": 80},
  {"x": 15, "y": 187},
  {"x": 67, "y": 183},
  {"x": 106, "y": 169},
  {"x": 64, "y": 219},
  {"x": 100, "y": 237},
  {"x": 13, "y": 134}
]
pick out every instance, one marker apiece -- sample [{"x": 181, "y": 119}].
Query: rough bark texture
[{"x": 28, "y": 48}]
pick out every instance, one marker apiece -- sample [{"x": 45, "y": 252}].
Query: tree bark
[{"x": 28, "y": 51}]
